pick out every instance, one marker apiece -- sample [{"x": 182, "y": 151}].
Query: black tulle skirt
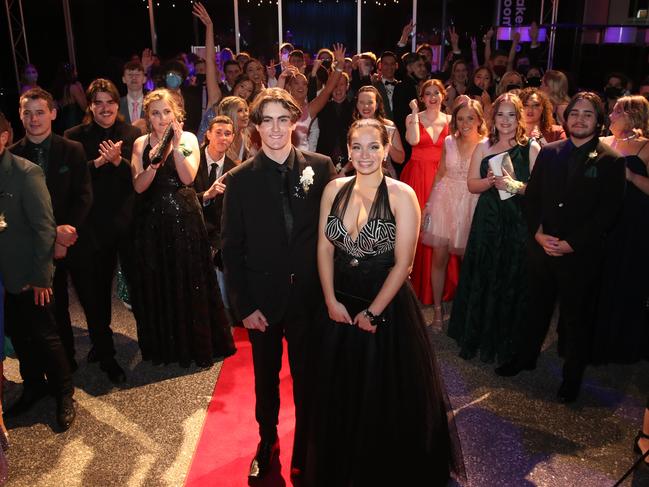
[
  {"x": 378, "y": 412},
  {"x": 176, "y": 301}
]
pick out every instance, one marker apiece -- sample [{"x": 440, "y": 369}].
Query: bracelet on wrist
[{"x": 374, "y": 320}]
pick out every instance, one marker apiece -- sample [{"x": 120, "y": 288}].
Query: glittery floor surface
[{"x": 513, "y": 431}]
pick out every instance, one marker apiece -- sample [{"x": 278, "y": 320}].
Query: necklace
[{"x": 630, "y": 137}]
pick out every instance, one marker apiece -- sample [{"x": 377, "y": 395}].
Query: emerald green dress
[{"x": 489, "y": 306}]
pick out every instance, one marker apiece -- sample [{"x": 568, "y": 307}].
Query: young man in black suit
[
  {"x": 26, "y": 249},
  {"x": 108, "y": 143},
  {"x": 68, "y": 181},
  {"x": 209, "y": 186},
  {"x": 270, "y": 231},
  {"x": 572, "y": 199}
]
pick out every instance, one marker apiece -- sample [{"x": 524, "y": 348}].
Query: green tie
[{"x": 41, "y": 160}]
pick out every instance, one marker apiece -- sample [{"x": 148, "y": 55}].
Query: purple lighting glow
[
  {"x": 620, "y": 35},
  {"x": 505, "y": 33}
]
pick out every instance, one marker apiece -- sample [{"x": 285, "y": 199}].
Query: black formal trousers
[
  {"x": 37, "y": 343},
  {"x": 572, "y": 280},
  {"x": 267, "y": 349},
  {"x": 93, "y": 282}
]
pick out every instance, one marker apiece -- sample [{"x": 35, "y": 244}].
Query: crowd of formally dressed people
[{"x": 324, "y": 201}]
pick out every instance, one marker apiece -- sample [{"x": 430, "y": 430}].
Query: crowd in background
[{"x": 97, "y": 150}]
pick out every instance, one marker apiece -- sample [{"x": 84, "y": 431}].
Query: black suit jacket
[
  {"x": 334, "y": 127},
  {"x": 578, "y": 208},
  {"x": 112, "y": 209},
  {"x": 214, "y": 207},
  {"x": 259, "y": 261},
  {"x": 68, "y": 180}
]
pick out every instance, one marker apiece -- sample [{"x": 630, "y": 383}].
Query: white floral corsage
[
  {"x": 592, "y": 155},
  {"x": 306, "y": 180},
  {"x": 3, "y": 223}
]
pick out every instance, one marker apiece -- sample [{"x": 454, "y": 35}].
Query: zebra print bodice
[{"x": 376, "y": 237}]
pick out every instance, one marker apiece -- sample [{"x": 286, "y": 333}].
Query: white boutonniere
[
  {"x": 306, "y": 179},
  {"x": 591, "y": 167},
  {"x": 3, "y": 223}
]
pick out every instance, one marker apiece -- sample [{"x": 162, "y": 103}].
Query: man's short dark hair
[
  {"x": 177, "y": 67},
  {"x": 133, "y": 66},
  {"x": 621, "y": 76},
  {"x": 230, "y": 62},
  {"x": 411, "y": 57},
  {"x": 593, "y": 99},
  {"x": 389, "y": 54},
  {"x": 38, "y": 94},
  {"x": 497, "y": 52},
  {"x": 273, "y": 95}
]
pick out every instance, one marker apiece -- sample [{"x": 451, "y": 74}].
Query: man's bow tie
[{"x": 390, "y": 83}]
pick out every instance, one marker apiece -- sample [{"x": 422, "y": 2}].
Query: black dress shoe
[
  {"x": 512, "y": 368},
  {"x": 65, "y": 412},
  {"x": 266, "y": 451},
  {"x": 568, "y": 392},
  {"x": 30, "y": 396},
  {"x": 114, "y": 372}
]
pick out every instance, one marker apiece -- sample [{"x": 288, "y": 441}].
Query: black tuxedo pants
[
  {"x": 38, "y": 346},
  {"x": 572, "y": 279},
  {"x": 93, "y": 282},
  {"x": 267, "y": 349}
]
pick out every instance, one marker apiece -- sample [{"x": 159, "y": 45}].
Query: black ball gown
[
  {"x": 378, "y": 412},
  {"x": 179, "y": 313}
]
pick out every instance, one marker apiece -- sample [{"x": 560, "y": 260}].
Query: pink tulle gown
[
  {"x": 419, "y": 174},
  {"x": 452, "y": 203}
]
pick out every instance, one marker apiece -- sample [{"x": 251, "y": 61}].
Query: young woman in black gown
[
  {"x": 179, "y": 312},
  {"x": 378, "y": 414},
  {"x": 621, "y": 331}
]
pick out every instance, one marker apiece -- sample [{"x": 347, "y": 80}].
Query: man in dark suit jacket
[
  {"x": 108, "y": 143},
  {"x": 68, "y": 181},
  {"x": 131, "y": 106},
  {"x": 572, "y": 199},
  {"x": 270, "y": 230},
  {"x": 406, "y": 91},
  {"x": 26, "y": 248},
  {"x": 209, "y": 186}
]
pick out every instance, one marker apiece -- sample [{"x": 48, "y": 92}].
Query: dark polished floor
[{"x": 513, "y": 431}]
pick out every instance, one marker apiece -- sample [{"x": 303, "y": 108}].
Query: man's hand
[
  {"x": 111, "y": 152},
  {"x": 42, "y": 295},
  {"x": 60, "y": 251},
  {"x": 255, "y": 321},
  {"x": 406, "y": 31},
  {"x": 217, "y": 188},
  {"x": 66, "y": 235},
  {"x": 339, "y": 54}
]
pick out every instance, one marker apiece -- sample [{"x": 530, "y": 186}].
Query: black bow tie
[{"x": 390, "y": 83}]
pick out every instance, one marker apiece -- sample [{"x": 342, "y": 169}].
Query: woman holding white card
[{"x": 490, "y": 301}]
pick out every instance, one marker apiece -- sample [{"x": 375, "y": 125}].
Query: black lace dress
[
  {"x": 378, "y": 412},
  {"x": 176, "y": 301}
]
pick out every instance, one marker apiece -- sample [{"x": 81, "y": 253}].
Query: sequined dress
[
  {"x": 179, "y": 312},
  {"x": 378, "y": 409}
]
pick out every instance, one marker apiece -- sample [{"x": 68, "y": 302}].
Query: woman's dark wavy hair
[{"x": 547, "y": 119}]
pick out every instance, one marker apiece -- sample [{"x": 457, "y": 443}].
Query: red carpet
[{"x": 230, "y": 435}]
